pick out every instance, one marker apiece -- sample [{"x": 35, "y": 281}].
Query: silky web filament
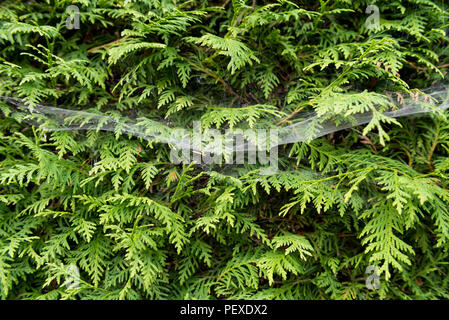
[{"x": 211, "y": 146}]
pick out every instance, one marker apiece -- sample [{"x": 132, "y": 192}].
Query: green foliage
[{"x": 140, "y": 227}]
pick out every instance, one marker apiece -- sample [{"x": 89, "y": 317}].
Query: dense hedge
[{"x": 139, "y": 226}]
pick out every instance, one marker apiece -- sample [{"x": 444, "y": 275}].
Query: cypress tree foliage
[{"x": 141, "y": 227}]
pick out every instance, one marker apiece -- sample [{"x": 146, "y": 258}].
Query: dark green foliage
[{"x": 140, "y": 227}]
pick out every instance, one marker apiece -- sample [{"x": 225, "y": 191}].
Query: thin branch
[
  {"x": 107, "y": 44},
  {"x": 213, "y": 75},
  {"x": 423, "y": 68},
  {"x": 291, "y": 115}
]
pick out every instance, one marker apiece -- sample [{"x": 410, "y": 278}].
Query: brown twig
[
  {"x": 423, "y": 68},
  {"x": 291, "y": 115},
  {"x": 107, "y": 44},
  {"x": 254, "y": 97},
  {"x": 226, "y": 3},
  {"x": 213, "y": 75}
]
